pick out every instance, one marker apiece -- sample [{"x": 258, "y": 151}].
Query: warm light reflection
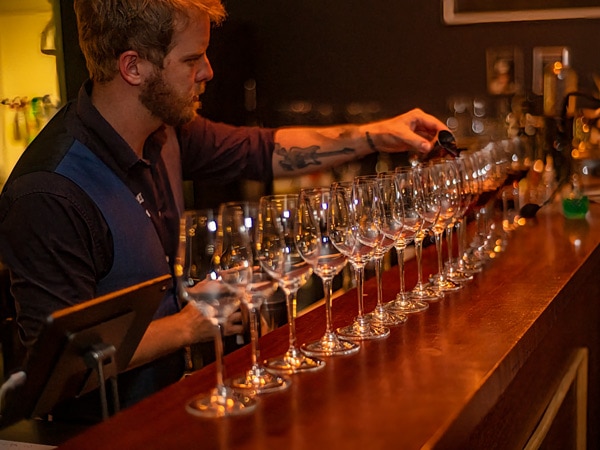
[
  {"x": 557, "y": 67},
  {"x": 538, "y": 166}
]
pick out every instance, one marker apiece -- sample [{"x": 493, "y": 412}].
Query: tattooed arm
[{"x": 301, "y": 150}]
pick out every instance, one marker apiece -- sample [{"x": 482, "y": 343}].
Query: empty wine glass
[
  {"x": 498, "y": 235},
  {"x": 257, "y": 379},
  {"x": 492, "y": 165},
  {"x": 315, "y": 246},
  {"x": 387, "y": 216},
  {"x": 217, "y": 295},
  {"x": 443, "y": 181},
  {"x": 470, "y": 259},
  {"x": 427, "y": 204},
  {"x": 467, "y": 191},
  {"x": 409, "y": 195},
  {"x": 354, "y": 234},
  {"x": 279, "y": 256}
]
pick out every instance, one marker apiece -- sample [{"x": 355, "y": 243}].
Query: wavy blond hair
[{"x": 107, "y": 28}]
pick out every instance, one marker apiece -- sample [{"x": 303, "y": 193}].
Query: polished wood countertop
[{"x": 431, "y": 384}]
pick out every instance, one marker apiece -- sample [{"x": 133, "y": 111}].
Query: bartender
[{"x": 93, "y": 204}]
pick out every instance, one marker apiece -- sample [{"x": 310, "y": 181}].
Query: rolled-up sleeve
[{"x": 224, "y": 153}]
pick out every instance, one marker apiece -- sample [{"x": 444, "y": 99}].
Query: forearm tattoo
[{"x": 301, "y": 157}]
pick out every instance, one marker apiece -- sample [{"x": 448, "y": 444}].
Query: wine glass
[
  {"x": 315, "y": 246},
  {"x": 428, "y": 209},
  {"x": 467, "y": 192},
  {"x": 493, "y": 169},
  {"x": 355, "y": 236},
  {"x": 471, "y": 258},
  {"x": 279, "y": 257},
  {"x": 387, "y": 216},
  {"x": 501, "y": 159},
  {"x": 220, "y": 249},
  {"x": 408, "y": 197},
  {"x": 256, "y": 380},
  {"x": 442, "y": 180}
]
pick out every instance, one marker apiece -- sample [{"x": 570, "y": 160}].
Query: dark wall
[
  {"x": 74, "y": 72},
  {"x": 397, "y": 53}
]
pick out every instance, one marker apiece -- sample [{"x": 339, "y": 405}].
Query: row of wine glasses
[{"x": 242, "y": 255}]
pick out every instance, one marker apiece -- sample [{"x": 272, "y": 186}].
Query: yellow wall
[{"x": 24, "y": 72}]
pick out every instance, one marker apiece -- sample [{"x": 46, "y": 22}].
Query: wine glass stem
[
  {"x": 219, "y": 356},
  {"x": 378, "y": 274},
  {"x": 449, "y": 242},
  {"x": 419, "y": 255},
  {"x": 254, "y": 318},
  {"x": 291, "y": 313},
  {"x": 438, "y": 247},
  {"x": 480, "y": 223},
  {"x": 461, "y": 236},
  {"x": 328, "y": 288},
  {"x": 400, "y": 256},
  {"x": 359, "y": 274}
]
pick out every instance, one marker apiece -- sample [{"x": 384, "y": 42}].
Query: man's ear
[{"x": 130, "y": 67}]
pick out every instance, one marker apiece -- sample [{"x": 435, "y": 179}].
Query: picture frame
[
  {"x": 504, "y": 68},
  {"x": 461, "y": 12},
  {"x": 541, "y": 57}
]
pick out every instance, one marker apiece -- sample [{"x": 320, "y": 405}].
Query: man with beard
[{"x": 93, "y": 205}]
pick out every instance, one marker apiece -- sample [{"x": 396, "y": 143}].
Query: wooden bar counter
[{"x": 495, "y": 365}]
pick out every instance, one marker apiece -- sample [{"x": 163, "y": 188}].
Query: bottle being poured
[{"x": 444, "y": 147}]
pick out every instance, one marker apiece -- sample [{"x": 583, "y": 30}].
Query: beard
[{"x": 166, "y": 104}]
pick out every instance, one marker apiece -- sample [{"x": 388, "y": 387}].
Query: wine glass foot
[
  {"x": 425, "y": 293},
  {"x": 470, "y": 266},
  {"x": 221, "y": 402},
  {"x": 258, "y": 380},
  {"x": 362, "y": 329},
  {"x": 330, "y": 345},
  {"x": 443, "y": 284},
  {"x": 458, "y": 276},
  {"x": 386, "y": 318},
  {"x": 294, "y": 361},
  {"x": 404, "y": 304}
]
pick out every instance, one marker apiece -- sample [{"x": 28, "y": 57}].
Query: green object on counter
[{"x": 575, "y": 208}]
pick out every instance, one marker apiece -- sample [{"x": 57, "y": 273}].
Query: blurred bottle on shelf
[{"x": 559, "y": 80}]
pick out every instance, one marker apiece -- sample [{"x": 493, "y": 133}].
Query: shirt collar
[{"x": 106, "y": 141}]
